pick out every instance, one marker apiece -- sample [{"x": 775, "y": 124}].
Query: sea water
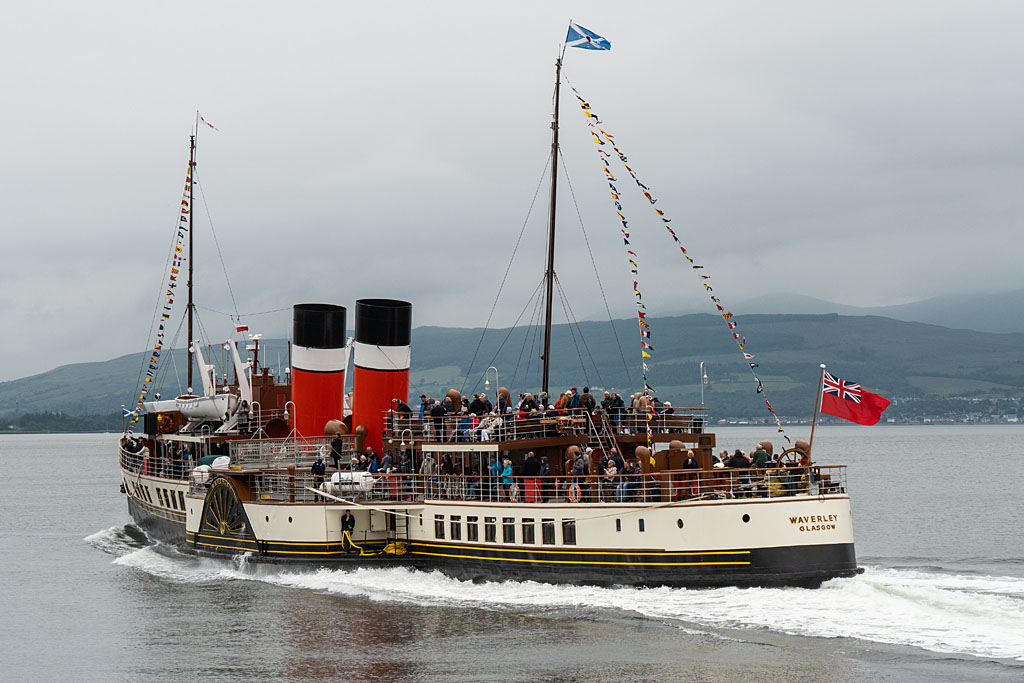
[{"x": 88, "y": 597}]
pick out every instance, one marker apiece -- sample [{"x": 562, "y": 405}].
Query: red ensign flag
[{"x": 847, "y": 400}]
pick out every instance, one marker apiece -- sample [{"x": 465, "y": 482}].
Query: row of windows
[
  {"x": 166, "y": 497},
  {"x": 527, "y": 526}
]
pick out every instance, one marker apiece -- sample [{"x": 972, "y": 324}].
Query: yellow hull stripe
[
  {"x": 625, "y": 564},
  {"x": 580, "y": 552},
  {"x": 268, "y": 551}
]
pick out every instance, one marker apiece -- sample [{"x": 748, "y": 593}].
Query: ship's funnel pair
[{"x": 319, "y": 357}]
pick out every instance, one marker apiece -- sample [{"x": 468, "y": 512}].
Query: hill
[
  {"x": 998, "y": 312},
  {"x": 925, "y": 367}
]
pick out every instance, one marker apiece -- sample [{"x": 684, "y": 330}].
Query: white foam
[
  {"x": 971, "y": 615},
  {"x": 955, "y": 614},
  {"x": 113, "y": 541}
]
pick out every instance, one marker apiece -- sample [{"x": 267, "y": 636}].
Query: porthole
[
  {"x": 679, "y": 523},
  {"x": 289, "y": 520},
  {"x": 267, "y": 518},
  {"x": 746, "y": 518},
  {"x": 618, "y": 525}
]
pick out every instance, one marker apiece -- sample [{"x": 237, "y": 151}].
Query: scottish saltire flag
[{"x": 585, "y": 38}]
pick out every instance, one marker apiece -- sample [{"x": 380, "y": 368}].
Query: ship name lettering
[{"x": 815, "y": 522}]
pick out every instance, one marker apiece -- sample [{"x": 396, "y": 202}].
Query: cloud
[{"x": 869, "y": 155}]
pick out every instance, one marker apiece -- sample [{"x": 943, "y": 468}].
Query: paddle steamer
[{"x": 233, "y": 470}]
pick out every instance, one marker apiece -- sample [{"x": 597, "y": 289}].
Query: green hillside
[{"x": 921, "y": 367}]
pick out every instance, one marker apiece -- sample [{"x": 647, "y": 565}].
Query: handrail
[
  {"x": 659, "y": 487},
  {"x": 469, "y": 428}
]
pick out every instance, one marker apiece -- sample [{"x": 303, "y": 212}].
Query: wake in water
[
  {"x": 942, "y": 612},
  {"x": 117, "y": 540}
]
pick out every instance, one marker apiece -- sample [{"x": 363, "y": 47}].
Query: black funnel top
[
  {"x": 318, "y": 326},
  {"x": 383, "y": 322}
]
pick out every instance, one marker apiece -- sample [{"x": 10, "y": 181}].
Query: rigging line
[
  {"x": 593, "y": 262},
  {"x": 219, "y": 368},
  {"x": 507, "y": 269},
  {"x": 586, "y": 346},
  {"x": 213, "y": 231},
  {"x": 161, "y": 370},
  {"x": 533, "y": 332},
  {"x": 156, "y": 308},
  {"x": 243, "y": 315},
  {"x": 561, "y": 297},
  {"x": 526, "y": 336},
  {"x": 510, "y": 331},
  {"x": 275, "y": 310}
]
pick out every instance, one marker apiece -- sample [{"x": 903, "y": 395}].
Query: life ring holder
[
  {"x": 574, "y": 493},
  {"x": 164, "y": 424},
  {"x": 513, "y": 493}
]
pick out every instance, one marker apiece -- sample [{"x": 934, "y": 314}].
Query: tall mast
[
  {"x": 191, "y": 213},
  {"x": 549, "y": 275}
]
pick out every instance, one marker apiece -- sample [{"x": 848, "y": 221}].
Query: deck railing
[
  {"x": 248, "y": 454},
  {"x": 667, "y": 486},
  {"x": 270, "y": 453},
  {"x": 512, "y": 427}
]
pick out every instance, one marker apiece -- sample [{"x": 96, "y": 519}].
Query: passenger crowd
[
  {"x": 174, "y": 463},
  {"x": 478, "y": 419},
  {"x": 618, "y": 478}
]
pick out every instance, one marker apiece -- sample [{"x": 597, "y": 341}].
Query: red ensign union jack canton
[{"x": 847, "y": 391}]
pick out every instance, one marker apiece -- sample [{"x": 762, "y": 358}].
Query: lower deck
[{"x": 799, "y": 540}]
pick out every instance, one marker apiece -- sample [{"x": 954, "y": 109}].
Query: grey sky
[{"x": 866, "y": 154}]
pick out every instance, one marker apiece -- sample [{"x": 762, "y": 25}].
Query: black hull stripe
[{"x": 162, "y": 513}]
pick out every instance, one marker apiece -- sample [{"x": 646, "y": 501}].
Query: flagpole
[{"x": 817, "y": 408}]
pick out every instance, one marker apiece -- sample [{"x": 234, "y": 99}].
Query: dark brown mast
[
  {"x": 191, "y": 212},
  {"x": 549, "y": 275}
]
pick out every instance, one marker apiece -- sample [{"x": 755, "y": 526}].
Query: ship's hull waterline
[{"x": 801, "y": 541}]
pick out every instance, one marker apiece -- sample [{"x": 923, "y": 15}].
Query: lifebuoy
[
  {"x": 574, "y": 493},
  {"x": 513, "y": 493}
]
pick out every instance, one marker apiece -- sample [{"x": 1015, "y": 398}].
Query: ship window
[
  {"x": 472, "y": 529},
  {"x": 438, "y": 526},
  {"x": 547, "y": 531},
  {"x": 529, "y": 531},
  {"x": 569, "y": 531},
  {"x": 508, "y": 529},
  {"x": 149, "y": 495},
  {"x": 181, "y": 499},
  {"x": 490, "y": 530},
  {"x": 618, "y": 525},
  {"x": 160, "y": 497},
  {"x": 456, "y": 527},
  {"x": 641, "y": 524},
  {"x": 170, "y": 497}
]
